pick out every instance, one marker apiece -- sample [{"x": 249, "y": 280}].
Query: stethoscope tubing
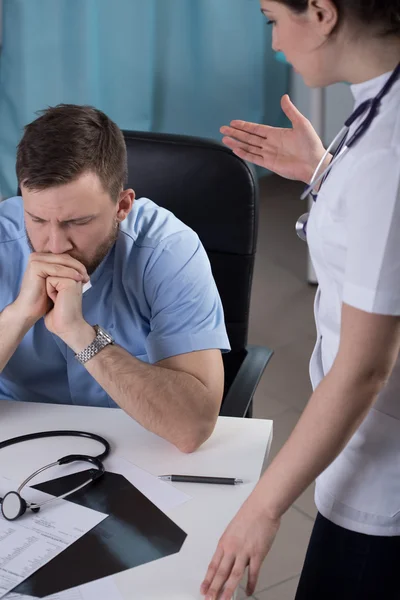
[
  {"x": 372, "y": 106},
  {"x": 314, "y": 179},
  {"x": 97, "y": 461},
  {"x": 60, "y": 433}
]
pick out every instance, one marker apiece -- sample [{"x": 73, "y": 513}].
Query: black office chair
[{"x": 216, "y": 194}]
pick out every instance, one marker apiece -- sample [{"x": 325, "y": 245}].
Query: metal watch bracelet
[{"x": 101, "y": 340}]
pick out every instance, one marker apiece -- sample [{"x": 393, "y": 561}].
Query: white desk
[{"x": 236, "y": 449}]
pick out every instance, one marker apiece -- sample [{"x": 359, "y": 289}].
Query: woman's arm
[{"x": 369, "y": 347}]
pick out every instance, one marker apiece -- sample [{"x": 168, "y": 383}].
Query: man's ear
[
  {"x": 325, "y": 14},
  {"x": 125, "y": 203}
]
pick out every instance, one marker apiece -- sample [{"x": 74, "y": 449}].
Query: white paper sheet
[
  {"x": 102, "y": 589},
  {"x": 164, "y": 495},
  {"x": 34, "y": 539}
]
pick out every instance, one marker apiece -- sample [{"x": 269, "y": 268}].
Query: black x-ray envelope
[{"x": 136, "y": 532}]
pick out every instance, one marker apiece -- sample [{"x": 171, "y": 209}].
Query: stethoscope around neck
[
  {"x": 13, "y": 505},
  {"x": 371, "y": 107}
]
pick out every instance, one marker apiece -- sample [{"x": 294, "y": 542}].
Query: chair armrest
[{"x": 241, "y": 392}]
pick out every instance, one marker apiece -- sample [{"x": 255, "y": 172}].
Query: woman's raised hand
[{"x": 292, "y": 153}]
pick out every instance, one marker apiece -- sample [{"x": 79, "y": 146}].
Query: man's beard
[{"x": 101, "y": 252}]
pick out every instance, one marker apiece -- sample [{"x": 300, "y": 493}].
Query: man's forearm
[
  {"x": 332, "y": 416},
  {"x": 12, "y": 330},
  {"x": 173, "y": 404}
]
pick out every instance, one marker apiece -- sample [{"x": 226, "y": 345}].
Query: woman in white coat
[{"x": 348, "y": 437}]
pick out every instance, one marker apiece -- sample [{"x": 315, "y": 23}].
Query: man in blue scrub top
[{"x": 147, "y": 335}]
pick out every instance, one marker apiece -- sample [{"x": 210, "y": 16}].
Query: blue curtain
[{"x": 182, "y": 66}]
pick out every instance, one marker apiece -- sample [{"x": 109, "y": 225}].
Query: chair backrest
[{"x": 216, "y": 194}]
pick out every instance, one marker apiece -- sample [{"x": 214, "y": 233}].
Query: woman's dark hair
[
  {"x": 384, "y": 14},
  {"x": 68, "y": 140}
]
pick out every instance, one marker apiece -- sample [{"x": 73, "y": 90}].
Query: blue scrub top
[{"x": 154, "y": 293}]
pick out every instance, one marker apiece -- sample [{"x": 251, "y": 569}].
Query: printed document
[{"x": 34, "y": 539}]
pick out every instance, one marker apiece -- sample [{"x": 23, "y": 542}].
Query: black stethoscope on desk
[
  {"x": 14, "y": 506},
  {"x": 371, "y": 107}
]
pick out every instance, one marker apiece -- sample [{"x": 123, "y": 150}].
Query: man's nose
[{"x": 58, "y": 242}]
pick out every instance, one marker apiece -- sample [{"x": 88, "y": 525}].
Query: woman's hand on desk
[
  {"x": 245, "y": 543},
  {"x": 292, "y": 153}
]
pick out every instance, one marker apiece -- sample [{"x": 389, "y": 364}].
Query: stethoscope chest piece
[
  {"x": 301, "y": 227},
  {"x": 13, "y": 506}
]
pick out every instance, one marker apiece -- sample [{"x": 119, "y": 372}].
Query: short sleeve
[
  {"x": 372, "y": 277},
  {"x": 186, "y": 310}
]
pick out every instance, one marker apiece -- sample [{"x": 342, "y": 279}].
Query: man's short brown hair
[{"x": 68, "y": 140}]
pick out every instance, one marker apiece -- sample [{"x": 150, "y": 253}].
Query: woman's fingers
[
  {"x": 236, "y": 575},
  {"x": 261, "y": 131},
  {"x": 252, "y": 153},
  {"x": 245, "y": 542},
  {"x": 235, "y": 144},
  {"x": 221, "y": 576},
  {"x": 212, "y": 569},
  {"x": 243, "y": 136},
  {"x": 225, "y": 573},
  {"x": 266, "y": 159},
  {"x": 253, "y": 574},
  {"x": 292, "y": 113},
  {"x": 249, "y": 157}
]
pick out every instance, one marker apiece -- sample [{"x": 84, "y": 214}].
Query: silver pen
[{"x": 200, "y": 479}]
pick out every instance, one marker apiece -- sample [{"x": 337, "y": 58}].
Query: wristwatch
[{"x": 101, "y": 340}]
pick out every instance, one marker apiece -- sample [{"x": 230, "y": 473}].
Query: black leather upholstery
[{"x": 215, "y": 193}]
